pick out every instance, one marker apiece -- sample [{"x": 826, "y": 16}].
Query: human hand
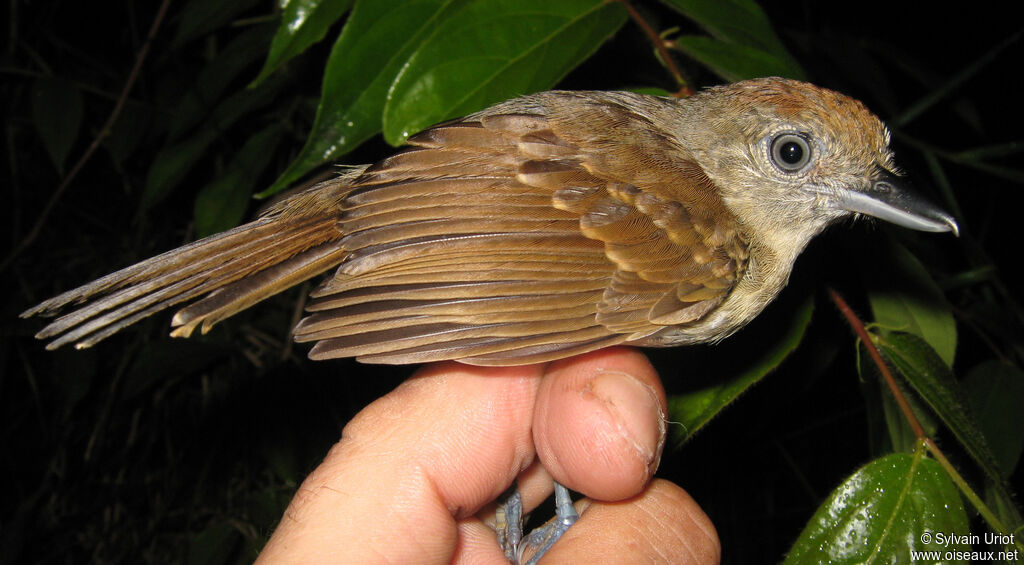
[{"x": 415, "y": 474}]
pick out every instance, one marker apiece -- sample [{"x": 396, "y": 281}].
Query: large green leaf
[
  {"x": 733, "y": 61},
  {"x": 904, "y": 297},
  {"x": 995, "y": 390},
  {"x": 174, "y": 162},
  {"x": 221, "y": 204},
  {"x": 491, "y": 50},
  {"x": 57, "y": 115},
  {"x": 128, "y": 133},
  {"x": 171, "y": 165},
  {"x": 899, "y": 436},
  {"x": 887, "y": 509},
  {"x": 734, "y": 21},
  {"x": 373, "y": 46},
  {"x": 214, "y": 545},
  {"x": 693, "y": 410},
  {"x": 199, "y": 17},
  {"x": 743, "y": 43},
  {"x": 303, "y": 23},
  {"x": 209, "y": 86},
  {"x": 932, "y": 379}
]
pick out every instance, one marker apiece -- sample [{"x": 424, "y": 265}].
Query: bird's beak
[{"x": 888, "y": 198}]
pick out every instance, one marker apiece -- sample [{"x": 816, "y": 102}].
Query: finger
[
  {"x": 599, "y": 425},
  {"x": 661, "y": 525},
  {"x": 436, "y": 449}
]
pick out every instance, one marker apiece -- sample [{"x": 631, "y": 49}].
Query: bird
[{"x": 542, "y": 227}]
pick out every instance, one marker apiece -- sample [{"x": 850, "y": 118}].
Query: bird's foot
[{"x": 509, "y": 525}]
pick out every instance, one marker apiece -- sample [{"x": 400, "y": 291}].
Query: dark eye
[{"x": 790, "y": 152}]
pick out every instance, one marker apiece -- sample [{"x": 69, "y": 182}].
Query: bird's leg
[
  {"x": 544, "y": 537},
  {"x": 509, "y": 523}
]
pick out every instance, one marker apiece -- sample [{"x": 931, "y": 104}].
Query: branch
[
  {"x": 865, "y": 338},
  {"x": 923, "y": 441},
  {"x": 44, "y": 215},
  {"x": 659, "y": 44}
]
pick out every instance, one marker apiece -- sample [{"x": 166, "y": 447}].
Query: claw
[{"x": 509, "y": 526}]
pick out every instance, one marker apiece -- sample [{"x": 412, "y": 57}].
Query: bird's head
[{"x": 790, "y": 158}]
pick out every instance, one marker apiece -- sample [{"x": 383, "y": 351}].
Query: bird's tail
[{"x": 294, "y": 241}]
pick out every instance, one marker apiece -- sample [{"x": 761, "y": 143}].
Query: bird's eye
[{"x": 790, "y": 152}]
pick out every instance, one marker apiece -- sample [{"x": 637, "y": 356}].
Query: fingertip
[
  {"x": 600, "y": 427},
  {"x": 433, "y": 451},
  {"x": 662, "y": 525}
]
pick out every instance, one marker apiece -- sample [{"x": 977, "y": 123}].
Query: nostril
[{"x": 883, "y": 187}]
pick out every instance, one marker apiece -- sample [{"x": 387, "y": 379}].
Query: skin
[{"x": 409, "y": 482}]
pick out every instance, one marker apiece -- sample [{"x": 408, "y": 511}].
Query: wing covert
[{"x": 503, "y": 239}]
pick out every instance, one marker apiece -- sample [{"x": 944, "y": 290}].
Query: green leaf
[
  {"x": 932, "y": 379},
  {"x": 695, "y": 409},
  {"x": 1006, "y": 510},
  {"x": 57, "y": 115},
  {"x": 208, "y": 87},
  {"x": 376, "y": 41},
  {"x": 129, "y": 131},
  {"x": 994, "y": 390},
  {"x": 303, "y": 23},
  {"x": 991, "y": 151},
  {"x": 165, "y": 361},
  {"x": 221, "y": 204},
  {"x": 953, "y": 81},
  {"x": 171, "y": 165},
  {"x": 200, "y": 17},
  {"x": 174, "y": 162},
  {"x": 214, "y": 545},
  {"x": 267, "y": 505},
  {"x": 490, "y": 50},
  {"x": 901, "y": 436},
  {"x": 733, "y": 61},
  {"x": 745, "y": 44},
  {"x": 905, "y": 298},
  {"x": 736, "y": 21},
  {"x": 888, "y": 508}
]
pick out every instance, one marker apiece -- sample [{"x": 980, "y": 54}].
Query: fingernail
[{"x": 635, "y": 407}]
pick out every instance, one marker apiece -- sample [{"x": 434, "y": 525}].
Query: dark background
[{"x": 146, "y": 449}]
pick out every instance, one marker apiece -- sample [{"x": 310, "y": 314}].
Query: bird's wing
[{"x": 505, "y": 239}]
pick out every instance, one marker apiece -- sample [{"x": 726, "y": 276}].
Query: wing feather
[
  {"x": 512, "y": 238},
  {"x": 544, "y": 227}
]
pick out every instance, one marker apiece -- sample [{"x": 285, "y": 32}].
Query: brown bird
[
  {"x": 539, "y": 228},
  {"x": 542, "y": 227}
]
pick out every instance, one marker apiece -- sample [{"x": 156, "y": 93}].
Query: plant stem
[
  {"x": 44, "y": 215},
  {"x": 865, "y": 338},
  {"x": 659, "y": 44}
]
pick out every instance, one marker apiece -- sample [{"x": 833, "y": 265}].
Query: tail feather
[
  {"x": 239, "y": 267},
  {"x": 173, "y": 278},
  {"x": 232, "y": 299},
  {"x": 140, "y": 272}
]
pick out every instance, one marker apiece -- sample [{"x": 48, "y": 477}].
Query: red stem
[{"x": 865, "y": 338}]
